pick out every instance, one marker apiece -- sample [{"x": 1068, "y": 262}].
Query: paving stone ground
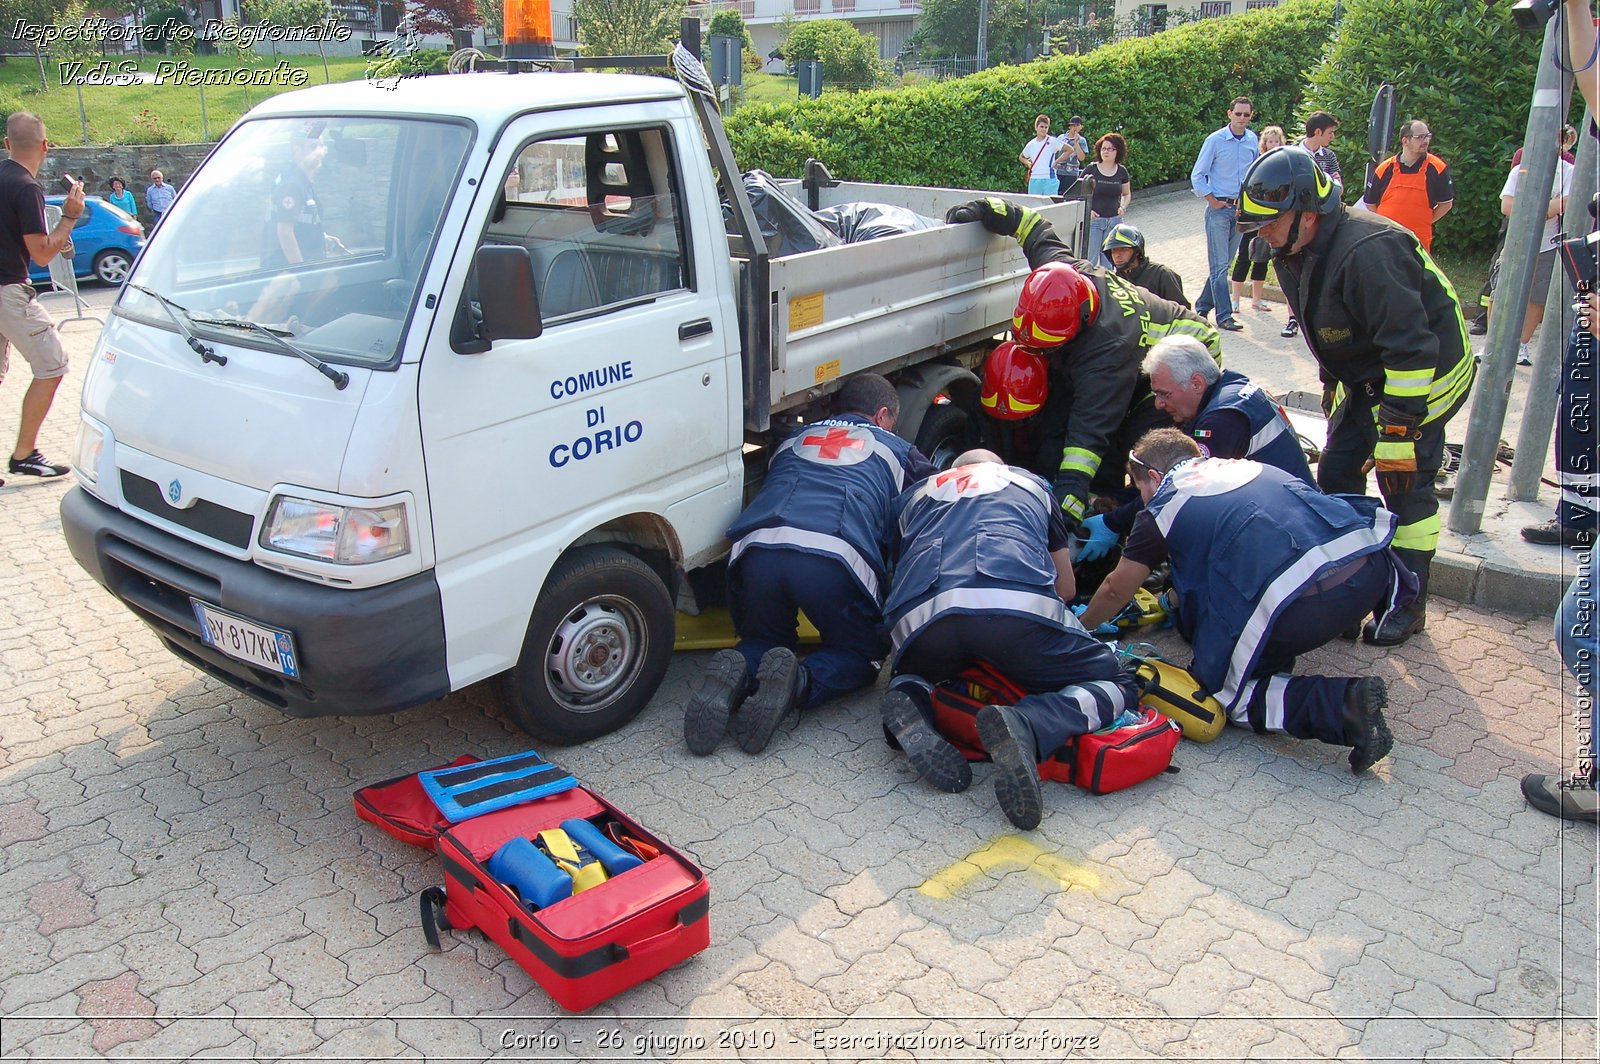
[{"x": 182, "y": 874}]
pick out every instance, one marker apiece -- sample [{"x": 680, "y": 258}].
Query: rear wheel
[
  {"x": 112, "y": 266},
  {"x": 597, "y": 647},
  {"x": 942, "y": 436}
]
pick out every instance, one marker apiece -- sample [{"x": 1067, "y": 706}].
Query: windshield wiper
[
  {"x": 179, "y": 315},
  {"x": 340, "y": 380}
]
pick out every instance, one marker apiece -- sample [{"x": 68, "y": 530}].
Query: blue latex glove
[
  {"x": 1099, "y": 631},
  {"x": 1101, "y": 539}
]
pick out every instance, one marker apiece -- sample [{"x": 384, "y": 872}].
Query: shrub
[
  {"x": 1164, "y": 92},
  {"x": 167, "y": 18},
  {"x": 849, "y": 60},
  {"x": 1465, "y": 69}
]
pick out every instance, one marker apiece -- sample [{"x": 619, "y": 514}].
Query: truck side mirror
[{"x": 506, "y": 293}]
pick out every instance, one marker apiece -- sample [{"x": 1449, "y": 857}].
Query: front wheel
[{"x": 597, "y": 647}]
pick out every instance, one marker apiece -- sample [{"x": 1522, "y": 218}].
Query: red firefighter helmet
[
  {"x": 1056, "y": 303},
  {"x": 1015, "y": 383}
]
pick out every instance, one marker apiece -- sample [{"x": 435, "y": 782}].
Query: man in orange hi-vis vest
[{"x": 1413, "y": 188}]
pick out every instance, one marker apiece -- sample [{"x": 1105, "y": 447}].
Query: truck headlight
[
  {"x": 344, "y": 535},
  {"x": 91, "y": 441}
]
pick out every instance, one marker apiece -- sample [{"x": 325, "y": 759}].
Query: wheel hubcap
[{"x": 595, "y": 652}]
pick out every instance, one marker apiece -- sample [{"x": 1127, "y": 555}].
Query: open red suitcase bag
[{"x": 582, "y": 949}]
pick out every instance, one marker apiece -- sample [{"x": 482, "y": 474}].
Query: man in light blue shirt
[
  {"x": 1217, "y": 177},
  {"x": 158, "y": 197}
]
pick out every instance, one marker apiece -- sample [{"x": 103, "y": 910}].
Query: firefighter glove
[
  {"x": 996, "y": 214},
  {"x": 1101, "y": 539},
  {"x": 1073, "y": 508},
  {"x": 1395, "y": 458}
]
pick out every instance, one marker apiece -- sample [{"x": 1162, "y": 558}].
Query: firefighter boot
[
  {"x": 1396, "y": 626},
  {"x": 1364, "y": 727}
]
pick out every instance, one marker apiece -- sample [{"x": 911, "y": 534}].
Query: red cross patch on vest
[
  {"x": 836, "y": 445},
  {"x": 967, "y": 481}
]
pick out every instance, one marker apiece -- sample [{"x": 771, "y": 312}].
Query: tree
[
  {"x": 81, "y": 47},
  {"x": 948, "y": 29},
  {"x": 443, "y": 16},
  {"x": 627, "y": 27},
  {"x": 34, "y": 13},
  {"x": 494, "y": 17},
  {"x": 849, "y": 60},
  {"x": 294, "y": 13}
]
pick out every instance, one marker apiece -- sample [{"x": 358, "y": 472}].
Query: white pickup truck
[{"x": 420, "y": 384}]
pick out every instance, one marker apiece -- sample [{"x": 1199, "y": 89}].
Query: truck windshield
[{"x": 318, "y": 228}]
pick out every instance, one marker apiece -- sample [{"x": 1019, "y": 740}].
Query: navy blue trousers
[
  {"x": 768, "y": 586},
  {"x": 1075, "y": 682},
  {"x": 1310, "y": 707}
]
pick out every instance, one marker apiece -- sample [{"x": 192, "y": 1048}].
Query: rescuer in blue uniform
[
  {"x": 812, "y": 539},
  {"x": 1264, "y": 568},
  {"x": 983, "y": 573},
  {"x": 1223, "y": 411}
]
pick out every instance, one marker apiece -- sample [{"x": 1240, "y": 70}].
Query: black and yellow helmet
[
  {"x": 1123, "y": 235},
  {"x": 1284, "y": 181}
]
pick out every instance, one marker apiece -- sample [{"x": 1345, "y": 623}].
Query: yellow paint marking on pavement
[{"x": 1007, "y": 852}]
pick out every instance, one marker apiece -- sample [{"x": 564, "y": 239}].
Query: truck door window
[{"x": 599, "y": 214}]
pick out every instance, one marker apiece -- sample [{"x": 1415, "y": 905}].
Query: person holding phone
[{"x": 24, "y": 324}]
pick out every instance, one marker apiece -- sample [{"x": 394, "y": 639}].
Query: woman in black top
[{"x": 1111, "y": 191}]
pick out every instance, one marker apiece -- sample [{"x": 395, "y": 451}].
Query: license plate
[{"x": 247, "y": 641}]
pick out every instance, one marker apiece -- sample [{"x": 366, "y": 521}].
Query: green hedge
[
  {"x": 1464, "y": 68},
  {"x": 1164, "y": 93}
]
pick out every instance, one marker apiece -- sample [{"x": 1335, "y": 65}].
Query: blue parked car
[{"x": 106, "y": 242}]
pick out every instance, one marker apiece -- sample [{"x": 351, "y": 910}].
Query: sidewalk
[{"x": 1495, "y": 568}]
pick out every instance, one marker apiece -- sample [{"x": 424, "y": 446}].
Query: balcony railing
[{"x": 763, "y": 11}]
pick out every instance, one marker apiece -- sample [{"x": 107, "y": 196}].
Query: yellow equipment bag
[{"x": 1174, "y": 693}]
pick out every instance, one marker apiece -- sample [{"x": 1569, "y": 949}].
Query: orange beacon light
[{"x": 527, "y": 30}]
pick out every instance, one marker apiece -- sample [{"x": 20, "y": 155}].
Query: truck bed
[{"x": 884, "y": 304}]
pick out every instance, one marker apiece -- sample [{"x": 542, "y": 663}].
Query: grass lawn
[{"x": 144, "y": 114}]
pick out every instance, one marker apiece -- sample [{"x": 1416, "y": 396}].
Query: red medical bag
[
  {"x": 582, "y": 949},
  {"x": 1099, "y": 762}
]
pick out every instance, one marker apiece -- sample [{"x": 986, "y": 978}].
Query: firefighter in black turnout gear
[
  {"x": 1093, "y": 328},
  {"x": 1124, "y": 246},
  {"x": 1388, "y": 334}
]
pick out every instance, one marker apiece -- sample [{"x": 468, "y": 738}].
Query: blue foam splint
[{"x": 482, "y": 787}]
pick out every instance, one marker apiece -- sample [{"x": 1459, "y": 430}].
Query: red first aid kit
[
  {"x": 1099, "y": 762},
  {"x": 583, "y": 948}
]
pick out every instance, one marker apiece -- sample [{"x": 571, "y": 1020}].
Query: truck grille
[{"x": 207, "y": 518}]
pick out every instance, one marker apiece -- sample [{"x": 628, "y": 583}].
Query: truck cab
[{"x": 426, "y": 382}]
